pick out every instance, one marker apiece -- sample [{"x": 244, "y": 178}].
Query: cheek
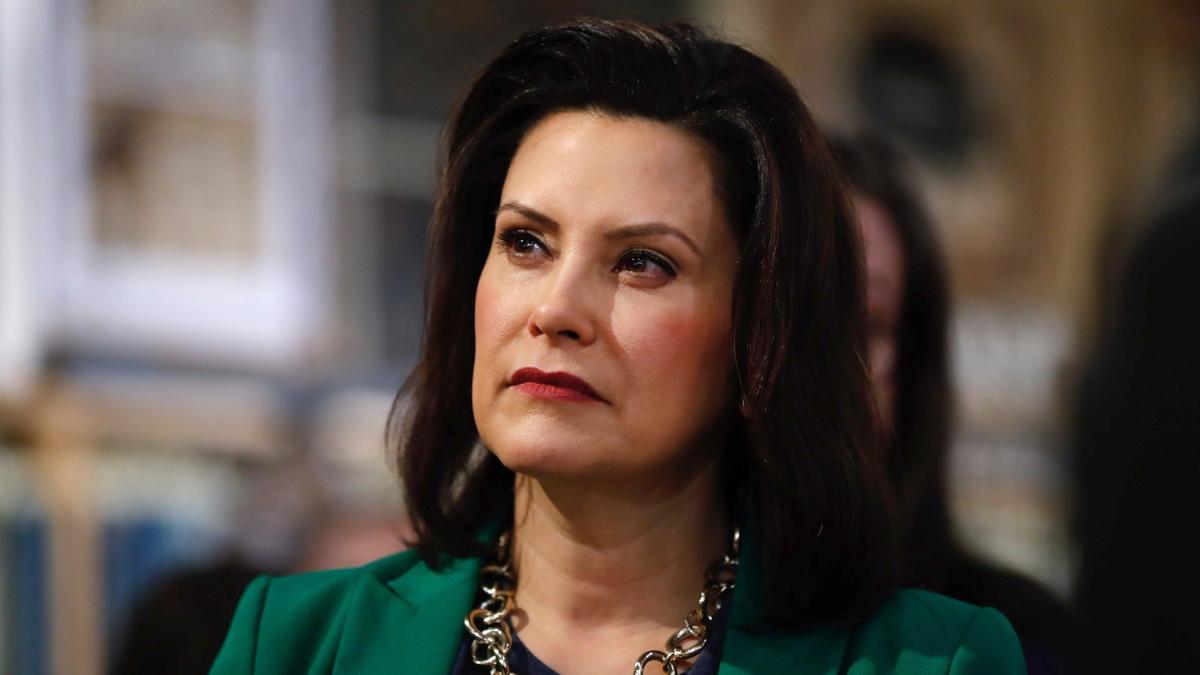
[
  {"x": 486, "y": 302},
  {"x": 497, "y": 315},
  {"x": 677, "y": 353},
  {"x": 497, "y": 311}
]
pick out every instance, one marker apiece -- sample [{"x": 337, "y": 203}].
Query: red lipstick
[{"x": 557, "y": 386}]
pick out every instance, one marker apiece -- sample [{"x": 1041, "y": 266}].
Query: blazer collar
[
  {"x": 408, "y": 618},
  {"x": 410, "y": 623}
]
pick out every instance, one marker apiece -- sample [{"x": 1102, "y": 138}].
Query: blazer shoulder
[
  {"x": 317, "y": 596},
  {"x": 918, "y": 632},
  {"x": 297, "y": 614},
  {"x": 311, "y": 590}
]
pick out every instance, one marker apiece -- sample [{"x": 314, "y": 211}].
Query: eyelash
[
  {"x": 509, "y": 240},
  {"x": 653, "y": 257}
]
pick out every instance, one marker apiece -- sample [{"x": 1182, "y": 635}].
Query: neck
[{"x": 620, "y": 567}]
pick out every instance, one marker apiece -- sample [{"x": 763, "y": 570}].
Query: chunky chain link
[
  {"x": 689, "y": 641},
  {"x": 488, "y": 623},
  {"x": 491, "y": 633}
]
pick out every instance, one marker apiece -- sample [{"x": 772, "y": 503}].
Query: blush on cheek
[
  {"x": 495, "y": 313},
  {"x": 677, "y": 351},
  {"x": 485, "y": 303},
  {"x": 488, "y": 367}
]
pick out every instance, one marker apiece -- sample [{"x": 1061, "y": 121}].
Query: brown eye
[
  {"x": 644, "y": 263},
  {"x": 520, "y": 242}
]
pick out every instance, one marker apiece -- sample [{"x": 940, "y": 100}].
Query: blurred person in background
[
  {"x": 641, "y": 413},
  {"x": 908, "y": 309},
  {"x": 1137, "y": 455},
  {"x": 299, "y": 516},
  {"x": 177, "y": 626}
]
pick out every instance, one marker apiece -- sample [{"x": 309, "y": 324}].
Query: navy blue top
[{"x": 523, "y": 661}]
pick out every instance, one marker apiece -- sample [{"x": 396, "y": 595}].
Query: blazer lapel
[
  {"x": 813, "y": 652},
  {"x": 411, "y": 624}
]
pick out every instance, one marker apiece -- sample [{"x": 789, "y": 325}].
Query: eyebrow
[{"x": 623, "y": 232}]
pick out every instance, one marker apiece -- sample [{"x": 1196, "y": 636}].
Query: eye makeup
[
  {"x": 519, "y": 241},
  {"x": 523, "y": 243},
  {"x": 636, "y": 261}
]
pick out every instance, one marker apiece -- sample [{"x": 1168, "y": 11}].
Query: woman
[
  {"x": 644, "y": 285},
  {"x": 907, "y": 319}
]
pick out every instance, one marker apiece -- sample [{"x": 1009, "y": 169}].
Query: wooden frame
[{"x": 263, "y": 311}]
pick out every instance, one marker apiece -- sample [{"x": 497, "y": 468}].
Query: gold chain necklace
[{"x": 491, "y": 631}]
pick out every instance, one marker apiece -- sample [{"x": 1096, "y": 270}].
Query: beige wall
[{"x": 1083, "y": 101}]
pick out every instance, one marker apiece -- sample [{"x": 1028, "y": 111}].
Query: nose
[{"x": 565, "y": 308}]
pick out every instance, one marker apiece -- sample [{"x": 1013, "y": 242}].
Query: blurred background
[{"x": 212, "y": 218}]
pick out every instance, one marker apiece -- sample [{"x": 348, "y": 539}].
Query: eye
[
  {"x": 644, "y": 263},
  {"x": 520, "y": 243}
]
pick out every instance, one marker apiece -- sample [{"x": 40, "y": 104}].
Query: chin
[{"x": 543, "y": 452}]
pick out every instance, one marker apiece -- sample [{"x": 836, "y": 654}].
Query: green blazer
[{"x": 397, "y": 615}]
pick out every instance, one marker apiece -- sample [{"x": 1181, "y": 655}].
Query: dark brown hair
[{"x": 803, "y": 470}]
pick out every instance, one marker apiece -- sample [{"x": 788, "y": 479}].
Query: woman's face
[
  {"x": 603, "y": 312},
  {"x": 885, "y": 300}
]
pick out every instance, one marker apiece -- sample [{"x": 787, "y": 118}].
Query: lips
[{"x": 556, "y": 386}]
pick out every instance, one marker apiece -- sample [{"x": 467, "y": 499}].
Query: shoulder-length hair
[{"x": 804, "y": 465}]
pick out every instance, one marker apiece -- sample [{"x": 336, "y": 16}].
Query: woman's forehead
[{"x": 583, "y": 167}]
